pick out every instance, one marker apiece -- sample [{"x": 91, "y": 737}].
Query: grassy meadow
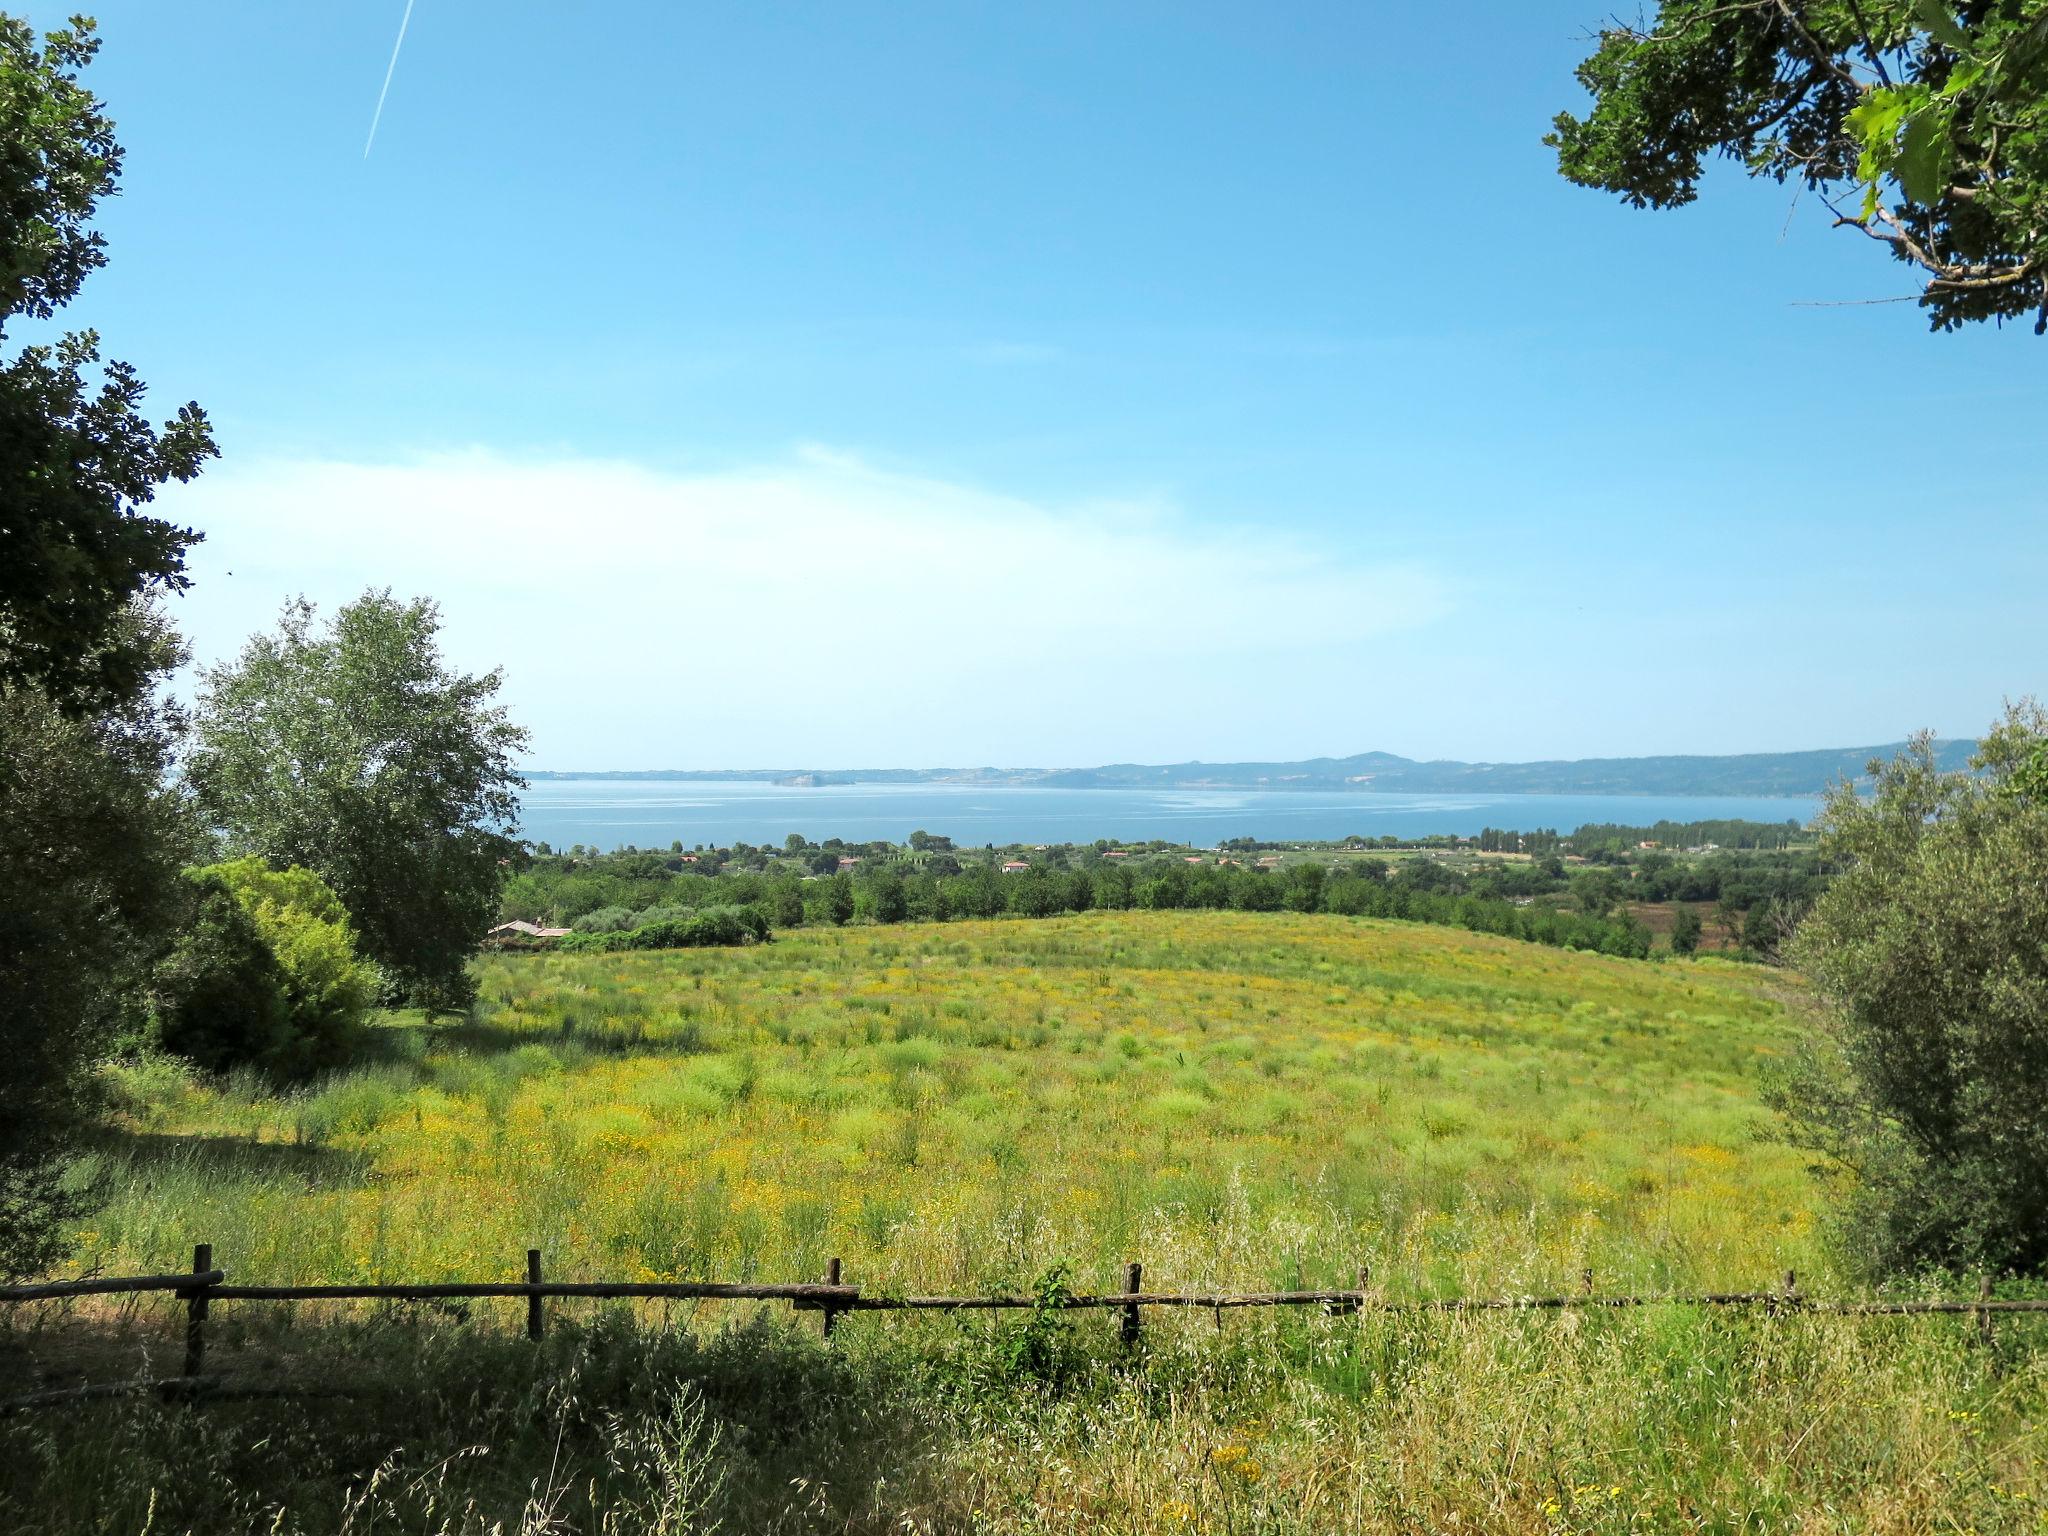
[
  {"x": 1237, "y": 1100},
  {"x": 1242, "y": 1101}
]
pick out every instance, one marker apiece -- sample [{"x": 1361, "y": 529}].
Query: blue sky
[{"x": 949, "y": 383}]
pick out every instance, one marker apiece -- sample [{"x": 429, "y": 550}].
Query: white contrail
[{"x": 389, "y": 70}]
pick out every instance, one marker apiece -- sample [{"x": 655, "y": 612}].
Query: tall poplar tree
[{"x": 353, "y": 750}]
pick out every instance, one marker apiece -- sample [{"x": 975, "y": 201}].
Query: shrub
[
  {"x": 689, "y": 929},
  {"x": 328, "y": 986},
  {"x": 220, "y": 993},
  {"x": 265, "y": 974}
]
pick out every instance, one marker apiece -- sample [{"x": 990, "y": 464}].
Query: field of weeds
[{"x": 1239, "y": 1101}]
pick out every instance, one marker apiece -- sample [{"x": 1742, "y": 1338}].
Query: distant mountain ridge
[{"x": 1749, "y": 773}]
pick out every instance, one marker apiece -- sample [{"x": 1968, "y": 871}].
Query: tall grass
[
  {"x": 1238, "y": 1101},
  {"x": 1535, "y": 1425}
]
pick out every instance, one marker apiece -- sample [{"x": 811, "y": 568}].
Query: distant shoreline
[
  {"x": 716, "y": 776},
  {"x": 1756, "y": 775}
]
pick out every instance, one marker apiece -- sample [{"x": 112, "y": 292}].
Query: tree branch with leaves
[
  {"x": 78, "y": 460},
  {"x": 1921, "y": 127}
]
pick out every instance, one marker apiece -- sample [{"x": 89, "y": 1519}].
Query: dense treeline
[
  {"x": 1757, "y": 894},
  {"x": 1595, "y": 838},
  {"x": 1598, "y": 839},
  {"x": 631, "y": 900},
  {"x": 1791, "y": 879}
]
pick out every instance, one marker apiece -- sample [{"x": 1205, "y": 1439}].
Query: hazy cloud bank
[{"x": 815, "y": 610}]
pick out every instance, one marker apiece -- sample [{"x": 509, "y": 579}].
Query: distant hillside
[
  {"x": 1753, "y": 773},
  {"x": 1756, "y": 773}
]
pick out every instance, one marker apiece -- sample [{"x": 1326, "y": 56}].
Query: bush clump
[
  {"x": 688, "y": 929},
  {"x": 265, "y": 973},
  {"x": 220, "y": 998}
]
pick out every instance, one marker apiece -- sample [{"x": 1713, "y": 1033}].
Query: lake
[{"x": 652, "y": 813}]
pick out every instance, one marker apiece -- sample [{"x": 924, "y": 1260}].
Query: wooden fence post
[
  {"x": 1586, "y": 1280},
  {"x": 195, "y": 1311},
  {"x": 536, "y": 1319},
  {"x": 1791, "y": 1288},
  {"x": 1134, "y": 1272},
  {"x": 1985, "y": 1336},
  {"x": 831, "y": 1313}
]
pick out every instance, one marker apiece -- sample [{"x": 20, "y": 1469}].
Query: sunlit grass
[
  {"x": 1236, "y": 1100},
  {"x": 1239, "y": 1101}
]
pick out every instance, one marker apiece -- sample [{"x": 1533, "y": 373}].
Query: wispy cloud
[{"x": 815, "y": 602}]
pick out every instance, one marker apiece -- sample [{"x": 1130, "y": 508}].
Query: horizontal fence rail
[
  {"x": 109, "y": 1287},
  {"x": 813, "y": 1297},
  {"x": 206, "y": 1284}
]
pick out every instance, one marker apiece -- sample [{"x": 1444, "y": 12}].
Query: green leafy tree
[
  {"x": 90, "y": 844},
  {"x": 2029, "y": 777},
  {"x": 1921, "y": 125},
  {"x": 90, "y": 849},
  {"x": 1035, "y": 893},
  {"x": 1728, "y": 917},
  {"x": 887, "y": 900},
  {"x": 786, "y": 902},
  {"x": 1929, "y": 951},
  {"x": 1767, "y": 927},
  {"x": 1597, "y": 891},
  {"x": 78, "y": 461},
  {"x": 1305, "y": 888},
  {"x": 1685, "y": 931},
  {"x": 835, "y": 899},
  {"x": 353, "y": 751}
]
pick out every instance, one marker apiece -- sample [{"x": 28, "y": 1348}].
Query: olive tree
[{"x": 1927, "y": 1082}]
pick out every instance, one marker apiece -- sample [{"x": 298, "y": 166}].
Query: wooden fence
[{"x": 204, "y": 1285}]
